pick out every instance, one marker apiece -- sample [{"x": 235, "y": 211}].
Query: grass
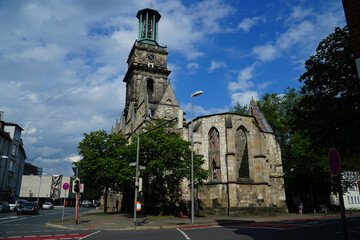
[{"x": 102, "y": 214}]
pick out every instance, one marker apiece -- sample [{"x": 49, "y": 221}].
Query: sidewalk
[{"x": 97, "y": 220}]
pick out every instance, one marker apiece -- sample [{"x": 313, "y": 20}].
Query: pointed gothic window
[
  {"x": 241, "y": 153},
  {"x": 214, "y": 154},
  {"x": 150, "y": 89}
]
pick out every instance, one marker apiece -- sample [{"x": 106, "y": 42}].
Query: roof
[
  {"x": 13, "y": 124},
  {"x": 142, "y": 11}
]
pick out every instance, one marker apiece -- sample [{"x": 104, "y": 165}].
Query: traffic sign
[
  {"x": 81, "y": 187},
  {"x": 66, "y": 186},
  {"x": 334, "y": 162}
]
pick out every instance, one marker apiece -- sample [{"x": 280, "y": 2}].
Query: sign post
[
  {"x": 334, "y": 165},
  {"x": 65, "y": 187}
]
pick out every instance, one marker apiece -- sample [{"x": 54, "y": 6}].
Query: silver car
[
  {"x": 4, "y": 206},
  {"x": 48, "y": 205}
]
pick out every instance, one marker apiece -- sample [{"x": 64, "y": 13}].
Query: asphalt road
[
  {"x": 33, "y": 228},
  {"x": 30, "y": 226},
  {"x": 329, "y": 229}
]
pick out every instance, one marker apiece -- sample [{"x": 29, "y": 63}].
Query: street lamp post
[{"x": 195, "y": 94}]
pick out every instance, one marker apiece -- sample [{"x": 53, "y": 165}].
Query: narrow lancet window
[
  {"x": 241, "y": 153},
  {"x": 214, "y": 154}
]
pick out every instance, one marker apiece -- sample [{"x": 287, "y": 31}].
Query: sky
[{"x": 62, "y": 63}]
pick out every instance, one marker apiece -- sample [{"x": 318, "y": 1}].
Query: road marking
[
  {"x": 103, "y": 222},
  {"x": 184, "y": 234},
  {"x": 90, "y": 235},
  {"x": 18, "y": 219}
]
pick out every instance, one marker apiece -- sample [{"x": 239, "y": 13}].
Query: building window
[
  {"x": 17, "y": 134},
  {"x": 150, "y": 89},
  {"x": 214, "y": 154},
  {"x": 9, "y": 180},
  {"x": 14, "y": 150},
  {"x": 11, "y": 166},
  {"x": 241, "y": 153},
  {"x": 348, "y": 199}
]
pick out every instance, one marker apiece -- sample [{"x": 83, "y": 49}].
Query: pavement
[{"x": 99, "y": 221}]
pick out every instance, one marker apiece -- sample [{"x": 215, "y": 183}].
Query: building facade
[
  {"x": 240, "y": 151},
  {"x": 47, "y": 189},
  {"x": 12, "y": 157}
]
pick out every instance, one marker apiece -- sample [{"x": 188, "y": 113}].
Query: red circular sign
[
  {"x": 334, "y": 162},
  {"x": 66, "y": 186}
]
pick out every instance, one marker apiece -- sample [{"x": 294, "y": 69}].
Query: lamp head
[{"x": 197, "y": 93}]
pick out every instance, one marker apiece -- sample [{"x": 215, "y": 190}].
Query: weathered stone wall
[{"x": 264, "y": 186}]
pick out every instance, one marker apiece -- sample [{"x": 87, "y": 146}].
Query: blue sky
[{"x": 62, "y": 62}]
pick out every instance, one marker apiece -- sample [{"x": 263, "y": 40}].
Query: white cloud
[
  {"x": 295, "y": 34},
  {"x": 214, "y": 65},
  {"x": 192, "y": 67},
  {"x": 305, "y": 28},
  {"x": 298, "y": 13},
  {"x": 183, "y": 27},
  {"x": 200, "y": 111},
  {"x": 266, "y": 52},
  {"x": 243, "y": 98},
  {"x": 73, "y": 158},
  {"x": 243, "y": 79},
  {"x": 247, "y": 23}
]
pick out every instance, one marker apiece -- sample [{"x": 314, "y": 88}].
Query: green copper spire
[{"x": 148, "y": 25}]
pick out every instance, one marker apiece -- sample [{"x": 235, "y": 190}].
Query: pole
[
  {"x": 342, "y": 208},
  {"x": 63, "y": 212},
  {"x": 76, "y": 209},
  {"x": 137, "y": 173},
  {"x": 39, "y": 191},
  {"x": 192, "y": 164}
]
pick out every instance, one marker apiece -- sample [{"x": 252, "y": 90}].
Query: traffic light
[
  {"x": 76, "y": 186},
  {"x": 133, "y": 181},
  {"x": 40, "y": 171}
]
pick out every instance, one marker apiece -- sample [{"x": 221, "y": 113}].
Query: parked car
[
  {"x": 48, "y": 205},
  {"x": 15, "y": 206},
  {"x": 97, "y": 204},
  {"x": 4, "y": 206},
  {"x": 28, "y": 208},
  {"x": 86, "y": 204}
]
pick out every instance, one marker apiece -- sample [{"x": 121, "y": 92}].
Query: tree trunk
[{"x": 105, "y": 199}]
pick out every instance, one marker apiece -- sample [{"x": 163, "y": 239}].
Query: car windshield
[
  {"x": 47, "y": 203},
  {"x": 29, "y": 204},
  {"x": 1, "y": 203}
]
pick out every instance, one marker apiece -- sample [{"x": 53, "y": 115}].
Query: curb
[{"x": 205, "y": 224}]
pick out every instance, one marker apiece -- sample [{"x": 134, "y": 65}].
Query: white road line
[
  {"x": 184, "y": 234},
  {"x": 89, "y": 235},
  {"x": 18, "y": 219}
]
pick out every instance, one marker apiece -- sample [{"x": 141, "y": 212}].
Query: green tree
[
  {"x": 241, "y": 109},
  {"x": 167, "y": 158},
  {"x": 104, "y": 164},
  {"x": 329, "y": 112},
  {"x": 306, "y": 171}
]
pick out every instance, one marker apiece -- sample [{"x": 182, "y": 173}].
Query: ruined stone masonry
[{"x": 240, "y": 151}]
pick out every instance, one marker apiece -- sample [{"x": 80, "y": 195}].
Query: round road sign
[
  {"x": 66, "y": 186},
  {"x": 334, "y": 162}
]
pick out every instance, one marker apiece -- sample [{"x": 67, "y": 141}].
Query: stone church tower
[
  {"x": 149, "y": 94},
  {"x": 240, "y": 151}
]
